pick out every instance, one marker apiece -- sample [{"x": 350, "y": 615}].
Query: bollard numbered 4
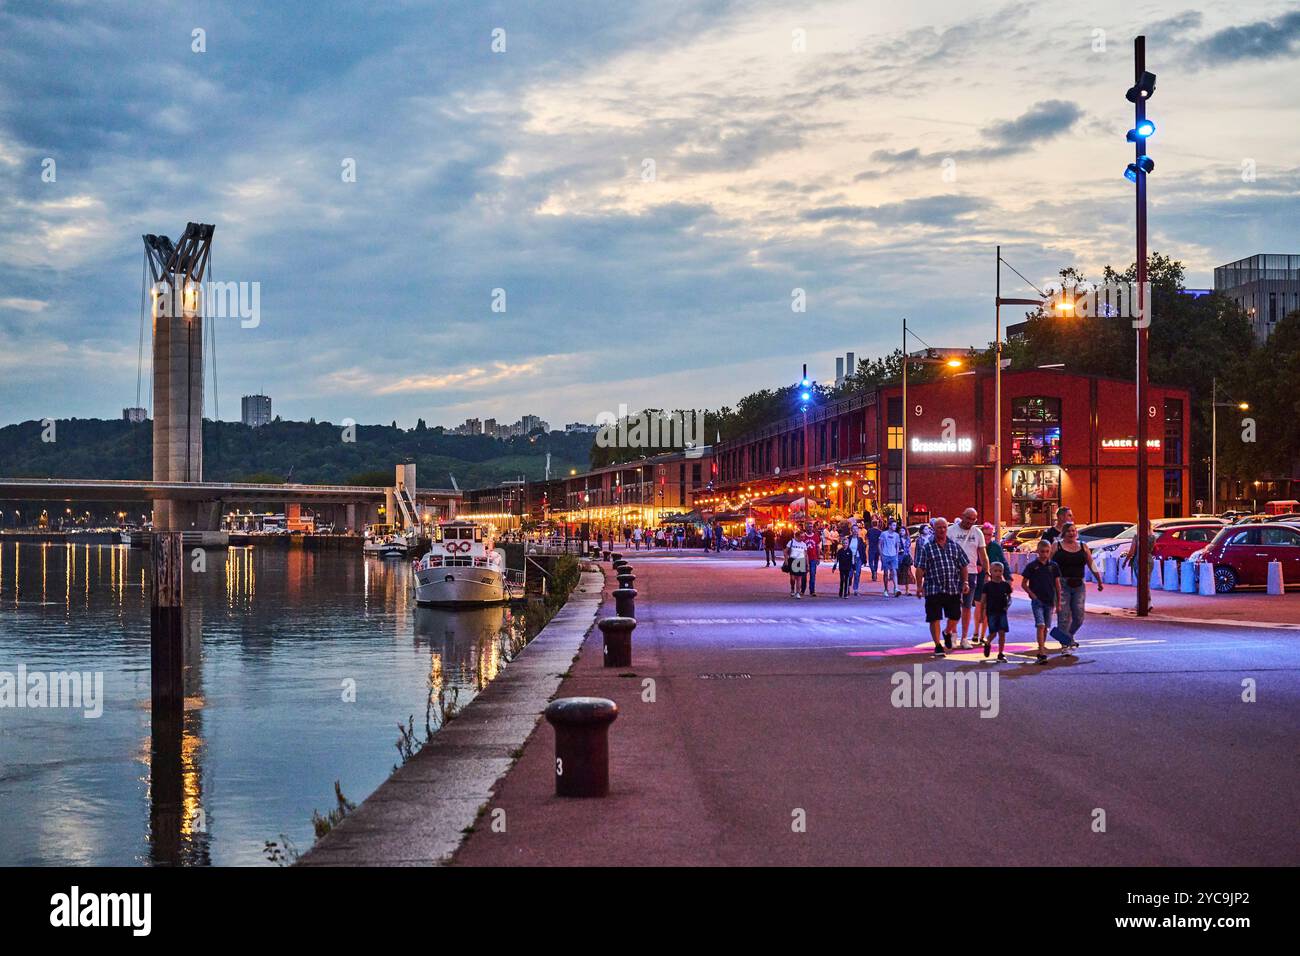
[
  {"x": 617, "y": 632},
  {"x": 581, "y": 744},
  {"x": 625, "y": 602}
]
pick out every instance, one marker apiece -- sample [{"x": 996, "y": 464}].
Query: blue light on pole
[{"x": 1143, "y": 130}]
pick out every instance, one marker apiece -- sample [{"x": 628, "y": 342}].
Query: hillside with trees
[{"x": 311, "y": 452}]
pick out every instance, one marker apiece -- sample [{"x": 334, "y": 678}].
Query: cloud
[
  {"x": 524, "y": 171},
  {"x": 22, "y": 305},
  {"x": 441, "y": 381},
  {"x": 1261, "y": 40},
  {"x": 1041, "y": 122},
  {"x": 929, "y": 211}
]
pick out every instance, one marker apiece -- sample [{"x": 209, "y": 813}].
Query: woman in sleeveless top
[{"x": 1072, "y": 557}]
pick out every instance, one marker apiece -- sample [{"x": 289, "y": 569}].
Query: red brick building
[{"x": 1066, "y": 439}]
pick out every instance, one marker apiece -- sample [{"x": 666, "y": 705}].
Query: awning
[{"x": 785, "y": 498}]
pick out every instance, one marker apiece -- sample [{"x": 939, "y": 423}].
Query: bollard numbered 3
[{"x": 581, "y": 744}]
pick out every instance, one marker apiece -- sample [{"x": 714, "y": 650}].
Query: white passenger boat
[
  {"x": 383, "y": 541},
  {"x": 462, "y": 568}
]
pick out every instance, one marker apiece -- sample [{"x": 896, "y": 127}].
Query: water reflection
[{"x": 272, "y": 635}]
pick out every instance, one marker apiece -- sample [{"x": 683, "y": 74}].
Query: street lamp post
[
  {"x": 920, "y": 360},
  {"x": 998, "y": 303},
  {"x": 1215, "y": 405},
  {"x": 1138, "y": 94},
  {"x": 902, "y": 490}
]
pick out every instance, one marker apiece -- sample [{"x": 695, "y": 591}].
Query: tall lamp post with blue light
[
  {"x": 805, "y": 397},
  {"x": 1143, "y": 88}
]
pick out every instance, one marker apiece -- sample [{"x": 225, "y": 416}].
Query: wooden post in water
[
  {"x": 167, "y": 622},
  {"x": 166, "y": 672}
]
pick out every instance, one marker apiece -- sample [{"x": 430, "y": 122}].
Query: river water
[{"x": 300, "y": 666}]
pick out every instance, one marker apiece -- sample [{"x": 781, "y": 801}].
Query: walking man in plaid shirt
[{"x": 941, "y": 579}]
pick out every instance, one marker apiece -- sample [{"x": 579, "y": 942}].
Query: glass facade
[
  {"x": 1036, "y": 431},
  {"x": 1173, "y": 448},
  {"x": 1036, "y": 453}
]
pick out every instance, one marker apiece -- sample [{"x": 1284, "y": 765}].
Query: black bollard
[
  {"x": 617, "y": 632},
  {"x": 625, "y": 602},
  {"x": 604, "y": 554},
  {"x": 581, "y": 744},
  {"x": 616, "y": 556},
  {"x": 626, "y": 579}
]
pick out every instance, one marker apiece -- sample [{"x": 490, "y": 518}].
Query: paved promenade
[{"x": 767, "y": 710}]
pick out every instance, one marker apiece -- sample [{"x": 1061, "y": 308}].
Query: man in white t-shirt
[{"x": 969, "y": 536}]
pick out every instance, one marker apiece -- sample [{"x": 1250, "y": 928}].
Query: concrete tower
[{"x": 178, "y": 272}]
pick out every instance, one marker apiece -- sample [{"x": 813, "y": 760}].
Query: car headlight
[{"x": 1197, "y": 555}]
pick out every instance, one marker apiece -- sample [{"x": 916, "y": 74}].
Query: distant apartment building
[
  {"x": 531, "y": 423},
  {"x": 135, "y": 414},
  {"x": 256, "y": 410},
  {"x": 494, "y": 429},
  {"x": 580, "y": 428},
  {"x": 1266, "y": 286}
]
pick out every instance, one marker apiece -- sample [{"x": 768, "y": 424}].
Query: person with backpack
[{"x": 796, "y": 564}]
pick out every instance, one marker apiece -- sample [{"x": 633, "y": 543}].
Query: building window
[
  {"x": 894, "y": 440},
  {"x": 1036, "y": 431},
  {"x": 1173, "y": 431},
  {"x": 895, "y": 486}
]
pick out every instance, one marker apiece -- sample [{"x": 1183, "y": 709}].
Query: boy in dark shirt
[
  {"x": 1041, "y": 580},
  {"x": 995, "y": 601},
  {"x": 844, "y": 562}
]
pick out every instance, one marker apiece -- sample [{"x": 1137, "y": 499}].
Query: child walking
[
  {"x": 844, "y": 562},
  {"x": 995, "y": 602}
]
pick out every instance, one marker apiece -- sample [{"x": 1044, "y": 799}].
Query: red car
[
  {"x": 1241, "y": 554},
  {"x": 1183, "y": 541}
]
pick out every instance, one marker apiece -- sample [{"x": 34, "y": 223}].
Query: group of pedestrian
[{"x": 962, "y": 573}]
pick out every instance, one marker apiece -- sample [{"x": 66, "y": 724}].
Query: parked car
[
  {"x": 1103, "y": 529},
  {"x": 1121, "y": 542},
  {"x": 1262, "y": 518},
  {"x": 1241, "y": 554},
  {"x": 1183, "y": 541},
  {"x": 1017, "y": 539}
]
